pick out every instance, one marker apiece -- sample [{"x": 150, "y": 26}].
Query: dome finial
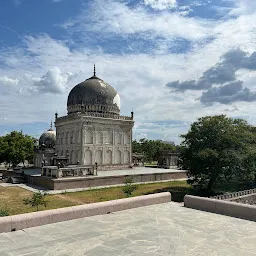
[
  {"x": 94, "y": 70},
  {"x": 50, "y": 127}
]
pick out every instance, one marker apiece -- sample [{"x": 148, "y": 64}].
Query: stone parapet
[
  {"x": 98, "y": 181},
  {"x": 93, "y": 114},
  {"x": 228, "y": 208},
  {"x": 27, "y": 220}
]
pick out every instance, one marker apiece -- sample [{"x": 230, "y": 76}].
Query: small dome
[
  {"x": 93, "y": 95},
  {"x": 48, "y": 139}
]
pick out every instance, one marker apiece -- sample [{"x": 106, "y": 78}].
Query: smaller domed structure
[{"x": 48, "y": 139}]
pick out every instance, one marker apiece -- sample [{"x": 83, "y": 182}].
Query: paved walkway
[{"x": 157, "y": 230}]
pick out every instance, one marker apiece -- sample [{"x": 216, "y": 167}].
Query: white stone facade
[{"x": 89, "y": 138}]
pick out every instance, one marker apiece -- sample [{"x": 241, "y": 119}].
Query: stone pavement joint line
[{"x": 156, "y": 230}]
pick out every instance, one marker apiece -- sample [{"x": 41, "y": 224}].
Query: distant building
[
  {"x": 45, "y": 150},
  {"x": 137, "y": 159},
  {"x": 168, "y": 142},
  {"x": 168, "y": 159}
]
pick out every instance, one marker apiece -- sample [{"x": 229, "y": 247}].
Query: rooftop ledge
[{"x": 94, "y": 115}]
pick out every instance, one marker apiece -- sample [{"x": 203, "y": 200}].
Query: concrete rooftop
[{"x": 156, "y": 230}]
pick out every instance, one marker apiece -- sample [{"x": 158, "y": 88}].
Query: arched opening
[
  {"x": 67, "y": 137},
  {"x": 99, "y": 137},
  {"x": 88, "y": 157},
  {"x": 77, "y": 137},
  {"x": 109, "y": 137},
  {"x": 77, "y": 156},
  {"x": 118, "y": 157},
  {"x": 126, "y": 157},
  {"x": 108, "y": 158},
  {"x": 118, "y": 138},
  {"x": 88, "y": 137},
  {"x": 98, "y": 157}
]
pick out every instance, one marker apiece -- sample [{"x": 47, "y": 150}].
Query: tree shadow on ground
[{"x": 178, "y": 193}]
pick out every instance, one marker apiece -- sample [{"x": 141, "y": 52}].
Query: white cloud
[
  {"x": 161, "y": 4},
  {"x": 54, "y": 81},
  {"x": 8, "y": 81},
  {"x": 139, "y": 78},
  {"x": 118, "y": 18},
  {"x": 243, "y": 7}
]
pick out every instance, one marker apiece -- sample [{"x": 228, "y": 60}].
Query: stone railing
[
  {"x": 94, "y": 114},
  {"x": 69, "y": 171},
  {"x": 93, "y": 108},
  {"x": 235, "y": 194}
]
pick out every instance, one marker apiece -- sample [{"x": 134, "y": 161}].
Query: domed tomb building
[
  {"x": 45, "y": 150},
  {"x": 93, "y": 131}
]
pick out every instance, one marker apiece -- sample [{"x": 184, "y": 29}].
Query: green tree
[
  {"x": 218, "y": 148},
  {"x": 151, "y": 148},
  {"x": 16, "y": 147},
  {"x": 36, "y": 200}
]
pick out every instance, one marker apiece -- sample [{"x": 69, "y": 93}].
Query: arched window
[
  {"x": 99, "y": 137},
  {"x": 118, "y": 138},
  {"x": 108, "y": 158},
  {"x": 77, "y": 137},
  {"x": 98, "y": 157},
  {"x": 88, "y": 137},
  {"x": 109, "y": 137},
  {"x": 126, "y": 157},
  {"x": 118, "y": 157},
  {"x": 67, "y": 136},
  {"x": 88, "y": 157}
]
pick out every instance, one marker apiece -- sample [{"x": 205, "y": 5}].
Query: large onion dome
[
  {"x": 48, "y": 139},
  {"x": 93, "y": 95}
]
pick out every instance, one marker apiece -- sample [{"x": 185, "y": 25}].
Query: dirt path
[{"x": 71, "y": 199}]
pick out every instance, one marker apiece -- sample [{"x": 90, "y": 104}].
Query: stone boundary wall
[
  {"x": 235, "y": 194},
  {"x": 97, "y": 181},
  {"x": 33, "y": 219},
  {"x": 243, "y": 211}
]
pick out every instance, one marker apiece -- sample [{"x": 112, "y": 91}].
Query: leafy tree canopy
[
  {"x": 151, "y": 148},
  {"x": 16, "y": 147},
  {"x": 218, "y": 148}
]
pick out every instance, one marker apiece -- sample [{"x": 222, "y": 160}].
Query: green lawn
[{"x": 11, "y": 198}]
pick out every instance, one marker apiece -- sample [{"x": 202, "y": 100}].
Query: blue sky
[{"x": 171, "y": 61}]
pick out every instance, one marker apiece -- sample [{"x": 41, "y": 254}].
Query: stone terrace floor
[{"x": 157, "y": 230}]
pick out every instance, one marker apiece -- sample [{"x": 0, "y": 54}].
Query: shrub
[
  {"x": 129, "y": 187},
  {"x": 4, "y": 212},
  {"x": 36, "y": 200}
]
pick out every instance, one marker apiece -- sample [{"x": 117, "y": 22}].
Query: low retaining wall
[
  {"x": 96, "y": 181},
  {"x": 27, "y": 220},
  {"x": 243, "y": 211}
]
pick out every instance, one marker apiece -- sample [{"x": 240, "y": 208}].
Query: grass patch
[
  {"x": 178, "y": 188},
  {"x": 11, "y": 198}
]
